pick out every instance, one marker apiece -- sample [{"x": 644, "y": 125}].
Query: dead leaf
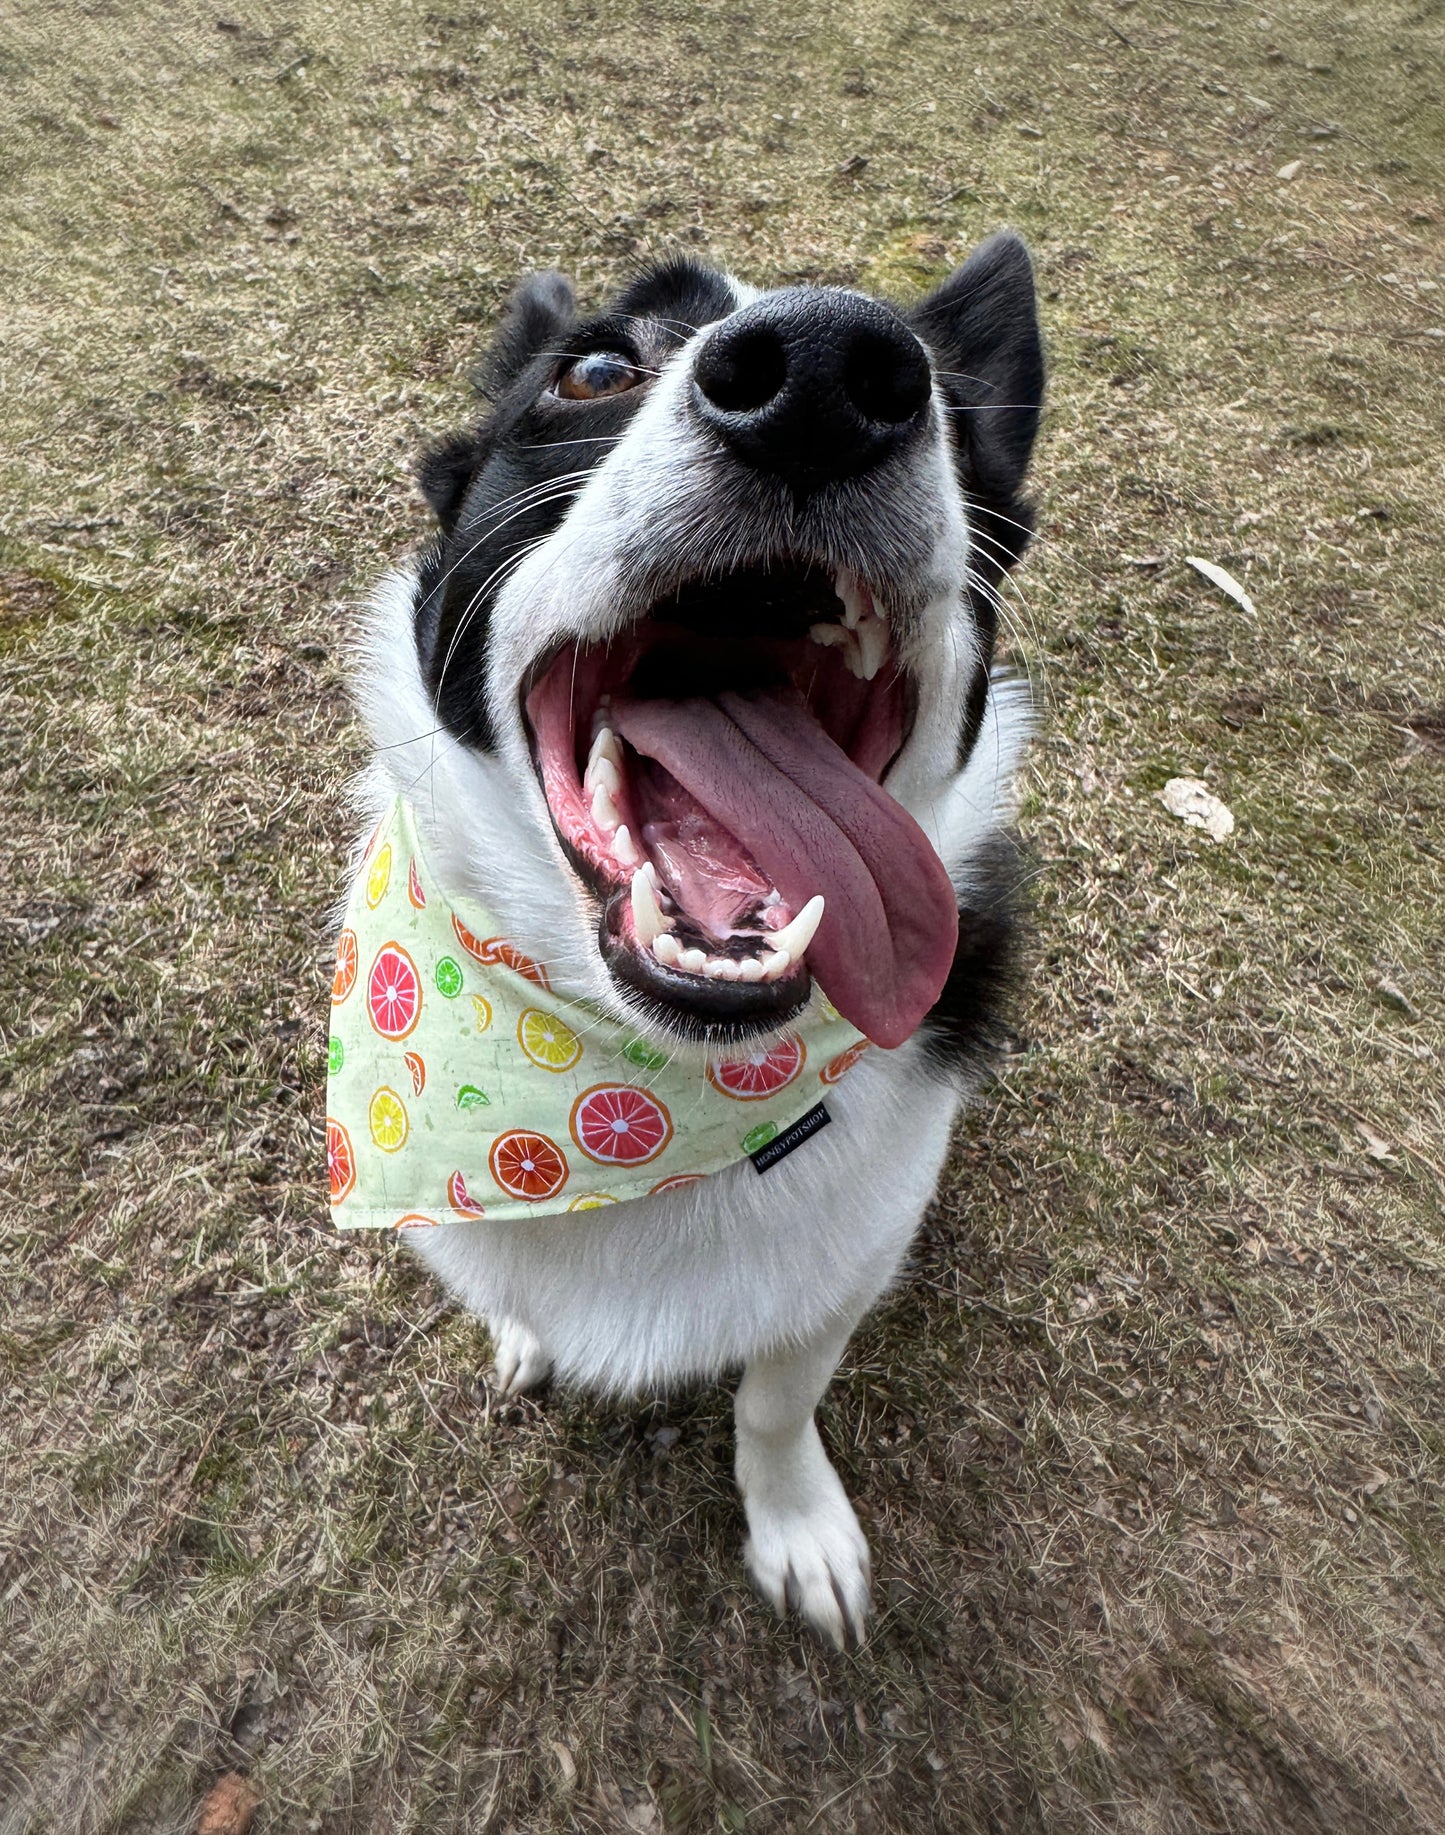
[
  {"x": 1377, "y": 1148},
  {"x": 1191, "y": 799},
  {"x": 1291, "y": 170},
  {"x": 566, "y": 1763},
  {"x": 229, "y": 1805},
  {"x": 1224, "y": 580}
]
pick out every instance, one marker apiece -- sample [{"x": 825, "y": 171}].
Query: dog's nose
[{"x": 812, "y": 384}]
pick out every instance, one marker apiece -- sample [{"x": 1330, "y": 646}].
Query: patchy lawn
[{"x": 1151, "y": 1443}]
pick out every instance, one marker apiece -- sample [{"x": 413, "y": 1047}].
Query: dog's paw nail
[
  {"x": 815, "y": 1565},
  {"x": 521, "y": 1359}
]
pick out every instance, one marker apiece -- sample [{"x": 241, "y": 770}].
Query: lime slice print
[
  {"x": 335, "y": 1056},
  {"x": 640, "y": 1053},
  {"x": 760, "y": 1136},
  {"x": 470, "y": 1097},
  {"x": 448, "y": 978}
]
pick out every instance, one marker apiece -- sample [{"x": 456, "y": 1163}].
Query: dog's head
[{"x": 712, "y": 603}]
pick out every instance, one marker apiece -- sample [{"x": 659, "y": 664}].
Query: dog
[{"x": 694, "y": 690}]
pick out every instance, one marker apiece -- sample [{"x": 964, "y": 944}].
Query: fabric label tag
[{"x": 781, "y": 1145}]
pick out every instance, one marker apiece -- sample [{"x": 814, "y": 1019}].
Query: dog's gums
[{"x": 714, "y": 774}]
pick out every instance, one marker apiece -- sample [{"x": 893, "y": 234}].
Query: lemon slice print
[
  {"x": 547, "y": 1040},
  {"x": 379, "y": 878},
  {"x": 386, "y": 1117}
]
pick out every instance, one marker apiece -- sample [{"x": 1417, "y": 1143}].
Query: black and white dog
[{"x": 708, "y": 511}]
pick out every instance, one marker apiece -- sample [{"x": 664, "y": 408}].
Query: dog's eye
[{"x": 601, "y": 372}]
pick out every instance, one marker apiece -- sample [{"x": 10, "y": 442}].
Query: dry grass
[{"x": 1150, "y": 1445}]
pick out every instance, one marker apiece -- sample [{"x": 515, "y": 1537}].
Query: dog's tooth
[
  {"x": 775, "y": 963},
  {"x": 828, "y": 634},
  {"x": 601, "y": 770},
  {"x": 666, "y": 948},
  {"x": 604, "y": 810},
  {"x": 794, "y": 938},
  {"x": 646, "y": 913},
  {"x": 624, "y": 848},
  {"x": 605, "y": 747},
  {"x": 857, "y": 600},
  {"x": 872, "y": 647},
  {"x": 750, "y": 969},
  {"x": 724, "y": 968},
  {"x": 693, "y": 961}
]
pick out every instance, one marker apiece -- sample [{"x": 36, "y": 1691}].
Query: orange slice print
[
  {"x": 340, "y": 1161},
  {"x": 344, "y": 980},
  {"x": 527, "y": 1165},
  {"x": 837, "y": 1068}
]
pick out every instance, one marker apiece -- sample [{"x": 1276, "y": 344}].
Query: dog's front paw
[
  {"x": 806, "y": 1552},
  {"x": 521, "y": 1359}
]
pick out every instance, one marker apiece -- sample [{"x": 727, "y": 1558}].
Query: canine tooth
[
  {"x": 604, "y": 810},
  {"x": 624, "y": 848},
  {"x": 857, "y": 600},
  {"x": 646, "y": 913},
  {"x": 666, "y": 948},
  {"x": 693, "y": 960},
  {"x": 750, "y": 969},
  {"x": 794, "y": 938},
  {"x": 872, "y": 647},
  {"x": 775, "y": 963}
]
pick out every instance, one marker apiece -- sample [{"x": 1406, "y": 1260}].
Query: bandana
[{"x": 461, "y": 1085}]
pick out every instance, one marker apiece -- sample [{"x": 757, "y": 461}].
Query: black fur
[{"x": 966, "y": 1025}]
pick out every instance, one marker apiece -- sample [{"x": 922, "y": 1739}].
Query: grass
[{"x": 1149, "y": 1444}]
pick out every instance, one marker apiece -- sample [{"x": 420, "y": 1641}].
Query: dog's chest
[{"x": 695, "y": 1281}]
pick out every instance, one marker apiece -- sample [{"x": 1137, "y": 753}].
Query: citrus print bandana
[{"x": 460, "y": 1085}]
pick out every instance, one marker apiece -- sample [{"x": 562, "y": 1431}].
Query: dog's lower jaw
[{"x": 805, "y": 1550}]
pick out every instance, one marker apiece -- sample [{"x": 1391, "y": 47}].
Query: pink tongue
[{"x": 766, "y": 770}]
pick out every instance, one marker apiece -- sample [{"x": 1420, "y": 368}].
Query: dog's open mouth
[{"x": 714, "y": 775}]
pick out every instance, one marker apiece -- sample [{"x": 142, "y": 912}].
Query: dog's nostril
[
  {"x": 886, "y": 377},
  {"x": 743, "y": 370}
]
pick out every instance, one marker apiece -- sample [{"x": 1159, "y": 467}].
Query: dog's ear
[
  {"x": 540, "y": 312},
  {"x": 983, "y": 328}
]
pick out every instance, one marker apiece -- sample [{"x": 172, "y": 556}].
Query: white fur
[{"x": 768, "y": 1272}]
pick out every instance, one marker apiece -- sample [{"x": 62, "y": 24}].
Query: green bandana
[{"x": 460, "y": 1085}]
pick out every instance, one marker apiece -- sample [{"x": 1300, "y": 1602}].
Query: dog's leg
[
  {"x": 804, "y": 1548},
  {"x": 522, "y": 1360}
]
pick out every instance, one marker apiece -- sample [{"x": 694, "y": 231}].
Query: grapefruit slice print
[
  {"x": 527, "y": 1165},
  {"x": 675, "y": 1183},
  {"x": 344, "y": 979},
  {"x": 760, "y": 1074},
  {"x": 413, "y": 887},
  {"x": 617, "y": 1125},
  {"x": 460, "y": 1199},
  {"x": 340, "y": 1161},
  {"x": 393, "y": 992}
]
